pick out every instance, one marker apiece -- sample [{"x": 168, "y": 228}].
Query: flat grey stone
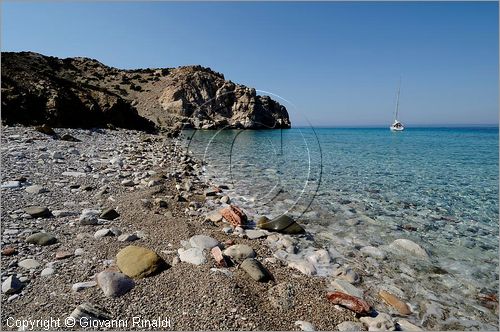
[
  {"x": 28, "y": 263},
  {"x": 203, "y": 242},
  {"x": 192, "y": 255},
  {"x": 240, "y": 252}
]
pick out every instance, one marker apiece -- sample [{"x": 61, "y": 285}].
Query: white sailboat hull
[{"x": 397, "y": 128}]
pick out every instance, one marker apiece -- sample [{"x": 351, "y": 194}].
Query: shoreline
[{"x": 195, "y": 296}]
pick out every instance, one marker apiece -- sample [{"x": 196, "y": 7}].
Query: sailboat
[{"x": 397, "y": 126}]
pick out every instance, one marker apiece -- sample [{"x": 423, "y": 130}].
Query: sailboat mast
[{"x": 397, "y": 100}]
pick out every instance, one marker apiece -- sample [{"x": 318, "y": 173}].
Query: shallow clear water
[{"x": 435, "y": 186}]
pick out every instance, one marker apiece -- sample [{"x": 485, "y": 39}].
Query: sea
[{"x": 367, "y": 187}]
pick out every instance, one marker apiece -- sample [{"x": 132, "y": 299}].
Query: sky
[{"x": 329, "y": 63}]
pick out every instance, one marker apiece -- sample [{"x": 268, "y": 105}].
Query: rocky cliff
[{"x": 82, "y": 92}]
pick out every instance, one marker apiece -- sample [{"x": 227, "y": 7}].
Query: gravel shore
[{"x": 161, "y": 200}]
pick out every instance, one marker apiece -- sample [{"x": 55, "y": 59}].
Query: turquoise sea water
[{"x": 435, "y": 186}]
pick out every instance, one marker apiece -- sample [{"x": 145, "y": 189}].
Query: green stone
[
  {"x": 282, "y": 224},
  {"x": 37, "y": 211},
  {"x": 139, "y": 262},
  {"x": 42, "y": 239}
]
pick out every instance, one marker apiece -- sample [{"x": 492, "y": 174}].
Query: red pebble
[{"x": 353, "y": 303}]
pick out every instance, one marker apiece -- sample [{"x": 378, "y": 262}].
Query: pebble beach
[{"x": 119, "y": 225}]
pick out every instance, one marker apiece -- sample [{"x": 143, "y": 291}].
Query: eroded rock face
[{"x": 82, "y": 92}]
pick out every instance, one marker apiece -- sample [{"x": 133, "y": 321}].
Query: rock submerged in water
[
  {"x": 353, "y": 303},
  {"x": 42, "y": 239},
  {"x": 139, "y": 262},
  {"x": 282, "y": 224},
  {"x": 395, "y": 302},
  {"x": 410, "y": 247}
]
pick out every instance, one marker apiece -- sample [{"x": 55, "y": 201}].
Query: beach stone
[
  {"x": 89, "y": 217},
  {"x": 102, "y": 233},
  {"x": 12, "y": 285},
  {"x": 350, "y": 326},
  {"x": 225, "y": 199},
  {"x": 63, "y": 254},
  {"x": 192, "y": 255},
  {"x": 320, "y": 256},
  {"x": 128, "y": 183},
  {"x": 345, "y": 287},
  {"x": 109, "y": 214},
  {"x": 11, "y": 184},
  {"x": 255, "y": 270},
  {"x": 305, "y": 326},
  {"x": 36, "y": 189},
  {"x": 282, "y": 296},
  {"x": 114, "y": 284},
  {"x": 12, "y": 297},
  {"x": 234, "y": 215},
  {"x": 240, "y": 252},
  {"x": 347, "y": 274},
  {"x": 282, "y": 224},
  {"x": 353, "y": 303},
  {"x": 373, "y": 252},
  {"x": 8, "y": 251},
  {"x": 303, "y": 266},
  {"x": 37, "y": 211},
  {"x": 405, "y": 325},
  {"x": 218, "y": 256},
  {"x": 253, "y": 234},
  {"x": 211, "y": 192},
  {"x": 214, "y": 216},
  {"x": 47, "y": 272},
  {"x": 79, "y": 252},
  {"x": 74, "y": 174},
  {"x": 90, "y": 312},
  {"x": 28, "y": 264},
  {"x": 411, "y": 247},
  {"x": 57, "y": 155},
  {"x": 127, "y": 237},
  {"x": 79, "y": 286},
  {"x": 42, "y": 239},
  {"x": 63, "y": 213},
  {"x": 382, "y": 322},
  {"x": 203, "y": 242},
  {"x": 395, "y": 302},
  {"x": 139, "y": 262}
]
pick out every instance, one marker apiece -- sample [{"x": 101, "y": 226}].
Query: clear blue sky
[{"x": 337, "y": 62}]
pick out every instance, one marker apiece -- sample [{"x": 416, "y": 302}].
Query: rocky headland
[{"x": 84, "y": 93}]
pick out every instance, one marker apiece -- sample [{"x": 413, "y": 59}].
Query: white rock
[
  {"x": 411, "y": 247},
  {"x": 11, "y": 184},
  {"x": 79, "y": 252},
  {"x": 83, "y": 285},
  {"x": 373, "y": 252},
  {"x": 63, "y": 213},
  {"x": 203, "y": 242},
  {"x": 74, "y": 174},
  {"x": 11, "y": 285},
  {"x": 28, "y": 264},
  {"x": 47, "y": 272},
  {"x": 350, "y": 326},
  {"x": 253, "y": 234},
  {"x": 36, "y": 189},
  {"x": 240, "y": 252},
  {"x": 114, "y": 284},
  {"x": 305, "y": 326},
  {"x": 192, "y": 255},
  {"x": 405, "y": 325},
  {"x": 89, "y": 217},
  {"x": 303, "y": 266},
  {"x": 346, "y": 287},
  {"x": 12, "y": 297},
  {"x": 383, "y": 322},
  {"x": 102, "y": 233}
]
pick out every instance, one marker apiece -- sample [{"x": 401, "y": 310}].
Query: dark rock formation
[{"x": 81, "y": 92}]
